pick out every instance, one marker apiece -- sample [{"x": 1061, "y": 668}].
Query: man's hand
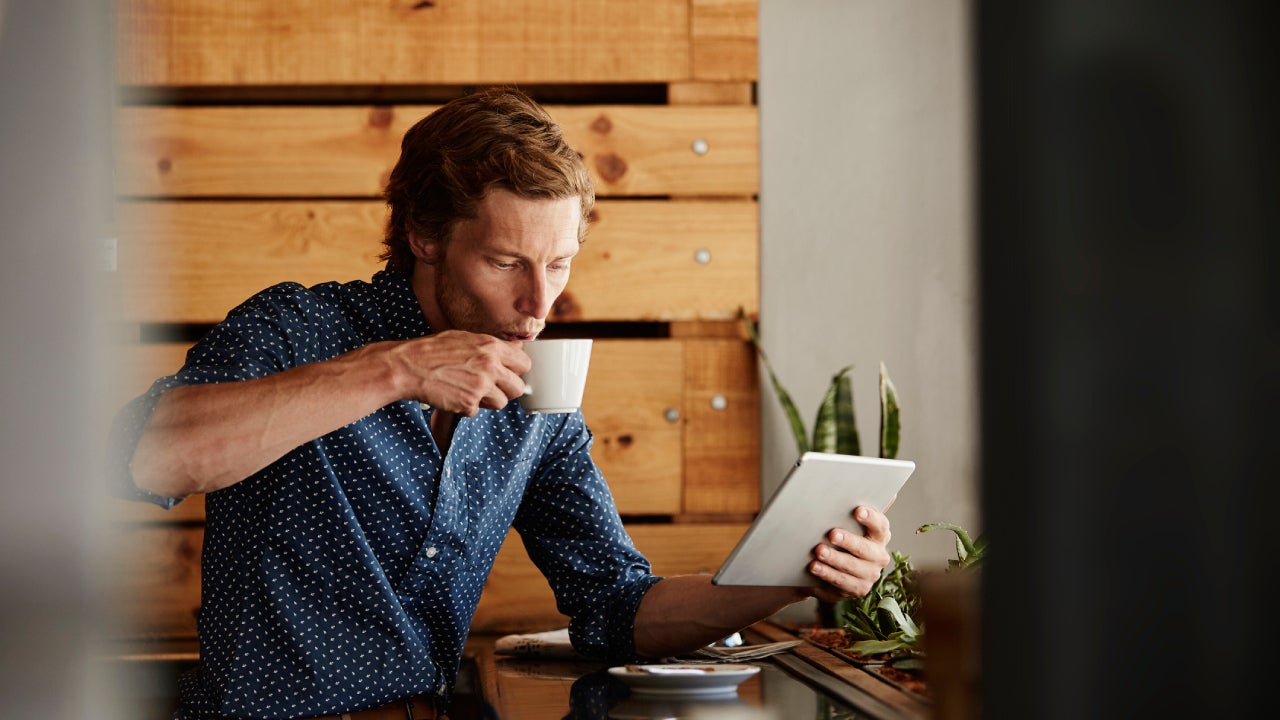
[
  {"x": 462, "y": 372},
  {"x": 851, "y": 573}
]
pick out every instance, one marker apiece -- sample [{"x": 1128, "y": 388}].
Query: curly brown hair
[{"x": 493, "y": 138}]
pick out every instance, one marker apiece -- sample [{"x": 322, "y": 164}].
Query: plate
[{"x": 684, "y": 680}]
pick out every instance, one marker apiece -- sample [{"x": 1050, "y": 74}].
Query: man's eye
[
  {"x": 558, "y": 267},
  {"x": 504, "y": 265}
]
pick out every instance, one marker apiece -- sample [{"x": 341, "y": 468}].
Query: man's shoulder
[
  {"x": 383, "y": 308},
  {"x": 311, "y": 298}
]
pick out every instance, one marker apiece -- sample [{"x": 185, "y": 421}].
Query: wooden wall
[{"x": 254, "y": 138}]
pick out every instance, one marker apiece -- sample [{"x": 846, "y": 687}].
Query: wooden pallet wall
[{"x": 254, "y": 139}]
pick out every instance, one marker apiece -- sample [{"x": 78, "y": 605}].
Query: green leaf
[
  {"x": 846, "y": 424},
  {"x": 962, "y": 535},
  {"x": 909, "y": 628},
  {"x": 784, "y": 397},
  {"x": 875, "y": 647},
  {"x": 969, "y": 552},
  {"x": 890, "y": 424},
  {"x": 834, "y": 430},
  {"x": 908, "y": 663}
]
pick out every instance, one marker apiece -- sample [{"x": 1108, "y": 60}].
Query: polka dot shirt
[{"x": 345, "y": 575}]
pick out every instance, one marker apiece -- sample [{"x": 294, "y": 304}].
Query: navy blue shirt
[{"x": 345, "y": 574}]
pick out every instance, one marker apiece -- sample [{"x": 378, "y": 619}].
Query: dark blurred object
[
  {"x": 1128, "y": 228},
  {"x": 952, "y": 605}
]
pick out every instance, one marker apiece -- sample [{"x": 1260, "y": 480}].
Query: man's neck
[
  {"x": 442, "y": 424},
  {"x": 422, "y": 281}
]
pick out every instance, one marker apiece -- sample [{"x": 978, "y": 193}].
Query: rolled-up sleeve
[{"x": 257, "y": 338}]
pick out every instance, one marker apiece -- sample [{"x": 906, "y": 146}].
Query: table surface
[{"x": 807, "y": 682}]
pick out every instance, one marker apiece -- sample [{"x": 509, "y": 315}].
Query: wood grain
[
  {"x": 193, "y": 261},
  {"x": 348, "y": 151},
  {"x": 305, "y": 42},
  {"x": 630, "y": 385},
  {"x": 722, "y": 438},
  {"x": 153, "y": 581},
  {"x": 724, "y": 36}
]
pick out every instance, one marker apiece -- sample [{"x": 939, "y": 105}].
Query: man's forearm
[
  {"x": 206, "y": 437},
  {"x": 683, "y": 613}
]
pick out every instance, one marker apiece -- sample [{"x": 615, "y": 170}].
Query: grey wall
[
  {"x": 55, "y": 205},
  {"x": 867, "y": 238}
]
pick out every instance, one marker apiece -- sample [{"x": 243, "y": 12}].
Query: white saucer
[{"x": 681, "y": 680}]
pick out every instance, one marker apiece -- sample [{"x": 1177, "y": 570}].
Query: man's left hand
[{"x": 852, "y": 569}]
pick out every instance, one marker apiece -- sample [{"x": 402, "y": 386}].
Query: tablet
[{"x": 819, "y": 493}]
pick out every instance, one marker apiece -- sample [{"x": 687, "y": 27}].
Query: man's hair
[{"x": 494, "y": 138}]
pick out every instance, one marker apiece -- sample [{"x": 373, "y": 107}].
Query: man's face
[{"x": 500, "y": 273}]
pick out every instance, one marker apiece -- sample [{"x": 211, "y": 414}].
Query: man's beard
[
  {"x": 463, "y": 311},
  {"x": 459, "y": 308}
]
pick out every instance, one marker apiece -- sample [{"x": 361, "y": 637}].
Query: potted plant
[{"x": 886, "y": 625}]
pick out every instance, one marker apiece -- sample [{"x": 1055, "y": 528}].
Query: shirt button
[{"x": 431, "y": 552}]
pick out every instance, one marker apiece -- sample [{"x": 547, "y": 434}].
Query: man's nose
[{"x": 537, "y": 296}]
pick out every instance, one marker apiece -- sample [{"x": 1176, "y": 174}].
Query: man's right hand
[{"x": 461, "y": 372}]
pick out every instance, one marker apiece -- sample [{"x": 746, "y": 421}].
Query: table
[{"x": 808, "y": 682}]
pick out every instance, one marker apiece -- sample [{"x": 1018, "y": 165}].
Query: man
[{"x": 364, "y": 460}]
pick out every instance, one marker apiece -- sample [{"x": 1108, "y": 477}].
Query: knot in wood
[{"x": 611, "y": 168}]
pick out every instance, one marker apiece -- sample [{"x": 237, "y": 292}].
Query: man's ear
[{"x": 425, "y": 250}]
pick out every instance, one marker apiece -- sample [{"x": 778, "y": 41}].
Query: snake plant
[{"x": 835, "y": 429}]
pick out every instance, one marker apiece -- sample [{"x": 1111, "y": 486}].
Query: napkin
[{"x": 547, "y": 644}]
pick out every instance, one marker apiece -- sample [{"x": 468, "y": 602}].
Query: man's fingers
[
  {"x": 840, "y": 582},
  {"x": 852, "y": 563},
  {"x": 874, "y": 523}
]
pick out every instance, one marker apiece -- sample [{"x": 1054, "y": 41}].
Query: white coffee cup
[{"x": 555, "y": 381}]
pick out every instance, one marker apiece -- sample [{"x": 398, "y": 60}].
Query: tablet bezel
[{"x": 819, "y": 493}]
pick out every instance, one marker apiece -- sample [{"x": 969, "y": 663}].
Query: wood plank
[
  {"x": 518, "y": 599},
  {"x": 192, "y": 261},
  {"x": 153, "y": 583},
  {"x": 677, "y": 260},
  {"x": 138, "y": 365},
  {"x": 724, "y": 35},
  {"x": 630, "y": 387},
  {"x": 722, "y": 431},
  {"x": 155, "y": 577},
  {"x": 302, "y": 42},
  {"x": 724, "y": 329},
  {"x": 711, "y": 93},
  {"x": 346, "y": 151}
]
